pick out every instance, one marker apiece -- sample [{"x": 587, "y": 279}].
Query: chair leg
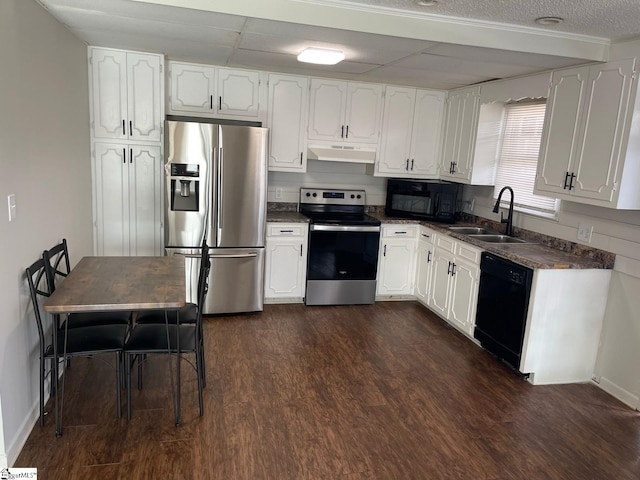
[
  {"x": 142, "y": 357},
  {"x": 199, "y": 373},
  {"x": 203, "y": 368},
  {"x": 42, "y": 375},
  {"x": 118, "y": 384},
  {"x": 128, "y": 375}
]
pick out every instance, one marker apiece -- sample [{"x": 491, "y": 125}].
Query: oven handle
[{"x": 343, "y": 228}]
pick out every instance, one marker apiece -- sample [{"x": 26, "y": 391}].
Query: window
[{"x": 518, "y": 158}]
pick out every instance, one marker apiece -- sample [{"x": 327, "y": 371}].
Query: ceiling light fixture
[
  {"x": 426, "y": 3},
  {"x": 321, "y": 56},
  {"x": 549, "y": 20}
]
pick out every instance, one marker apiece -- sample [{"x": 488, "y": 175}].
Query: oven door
[
  {"x": 341, "y": 265},
  {"x": 346, "y": 252}
]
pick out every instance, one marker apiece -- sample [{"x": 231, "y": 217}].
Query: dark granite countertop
[
  {"x": 288, "y": 217},
  {"x": 544, "y": 252}
]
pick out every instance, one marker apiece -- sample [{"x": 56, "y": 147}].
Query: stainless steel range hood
[{"x": 341, "y": 153}]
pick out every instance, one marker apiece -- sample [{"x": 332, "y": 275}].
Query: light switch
[{"x": 11, "y": 204}]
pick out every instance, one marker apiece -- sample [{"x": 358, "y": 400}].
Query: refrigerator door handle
[
  {"x": 220, "y": 193},
  {"x": 219, "y": 255},
  {"x": 234, "y": 255}
]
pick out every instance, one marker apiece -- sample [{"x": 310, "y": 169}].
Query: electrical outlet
[
  {"x": 278, "y": 193},
  {"x": 584, "y": 232}
]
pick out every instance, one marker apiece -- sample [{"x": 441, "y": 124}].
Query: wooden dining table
[{"x": 108, "y": 284}]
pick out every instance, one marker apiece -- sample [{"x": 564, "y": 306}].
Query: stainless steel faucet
[{"x": 496, "y": 209}]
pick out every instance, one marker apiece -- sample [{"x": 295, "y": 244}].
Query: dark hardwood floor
[{"x": 355, "y": 392}]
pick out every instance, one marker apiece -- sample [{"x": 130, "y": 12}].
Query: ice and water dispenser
[{"x": 185, "y": 187}]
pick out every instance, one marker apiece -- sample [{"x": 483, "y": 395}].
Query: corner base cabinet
[
  {"x": 286, "y": 262},
  {"x": 396, "y": 260}
]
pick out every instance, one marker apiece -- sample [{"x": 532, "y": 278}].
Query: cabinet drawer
[
  {"x": 467, "y": 252},
  {"x": 287, "y": 229},
  {"x": 446, "y": 243},
  {"x": 400, "y": 231},
  {"x": 426, "y": 235}
]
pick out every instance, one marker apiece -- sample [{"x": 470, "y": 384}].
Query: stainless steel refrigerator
[{"x": 216, "y": 188}]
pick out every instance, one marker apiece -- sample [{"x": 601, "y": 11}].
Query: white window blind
[{"x": 519, "y": 157}]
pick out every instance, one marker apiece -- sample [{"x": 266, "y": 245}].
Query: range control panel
[{"x": 332, "y": 197}]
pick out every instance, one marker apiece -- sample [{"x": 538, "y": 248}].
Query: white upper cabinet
[
  {"x": 126, "y": 93},
  {"x": 461, "y": 126},
  {"x": 287, "y": 122},
  {"x": 208, "y": 91},
  {"x": 588, "y": 152},
  {"x": 344, "y": 112},
  {"x": 238, "y": 92},
  {"x": 411, "y": 133}
]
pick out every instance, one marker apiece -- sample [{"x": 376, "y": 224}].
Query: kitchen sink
[
  {"x": 471, "y": 230},
  {"x": 497, "y": 238}
]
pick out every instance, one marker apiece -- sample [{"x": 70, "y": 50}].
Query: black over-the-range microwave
[{"x": 427, "y": 200}]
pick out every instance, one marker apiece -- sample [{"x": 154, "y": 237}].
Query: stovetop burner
[{"x": 341, "y": 207}]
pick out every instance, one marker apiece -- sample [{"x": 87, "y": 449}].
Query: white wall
[
  {"x": 45, "y": 162},
  {"x": 327, "y": 174}
]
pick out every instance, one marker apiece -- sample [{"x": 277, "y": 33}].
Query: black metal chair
[
  {"x": 58, "y": 259},
  {"x": 171, "y": 336},
  {"x": 186, "y": 315},
  {"x": 70, "y": 342}
]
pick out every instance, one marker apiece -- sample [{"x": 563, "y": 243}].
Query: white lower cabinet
[
  {"x": 424, "y": 264},
  {"x": 454, "y": 279},
  {"x": 396, "y": 260},
  {"x": 128, "y": 199},
  {"x": 286, "y": 262}
]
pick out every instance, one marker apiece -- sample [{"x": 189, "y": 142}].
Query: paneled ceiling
[{"x": 447, "y": 45}]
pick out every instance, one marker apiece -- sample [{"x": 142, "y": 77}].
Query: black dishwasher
[{"x": 503, "y": 301}]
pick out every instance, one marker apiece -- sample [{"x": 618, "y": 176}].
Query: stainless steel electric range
[{"x": 343, "y": 247}]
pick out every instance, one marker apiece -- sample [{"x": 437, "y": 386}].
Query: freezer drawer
[{"x": 236, "y": 281}]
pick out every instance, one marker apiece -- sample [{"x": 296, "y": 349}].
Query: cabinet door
[
  {"x": 461, "y": 127},
  {"x": 238, "y": 92},
  {"x": 109, "y": 92},
  {"x": 606, "y": 112},
  {"x": 284, "y": 268},
  {"x": 144, "y": 97},
  {"x": 424, "y": 271},
  {"x": 287, "y": 123},
  {"x": 192, "y": 88},
  {"x": 468, "y": 129},
  {"x": 397, "y": 126},
  {"x": 464, "y": 296},
  {"x": 111, "y": 199},
  {"x": 363, "y": 113},
  {"x": 395, "y": 270},
  {"x": 439, "y": 298},
  {"x": 561, "y": 129},
  {"x": 145, "y": 200},
  {"x": 328, "y": 100},
  {"x": 426, "y": 134}
]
